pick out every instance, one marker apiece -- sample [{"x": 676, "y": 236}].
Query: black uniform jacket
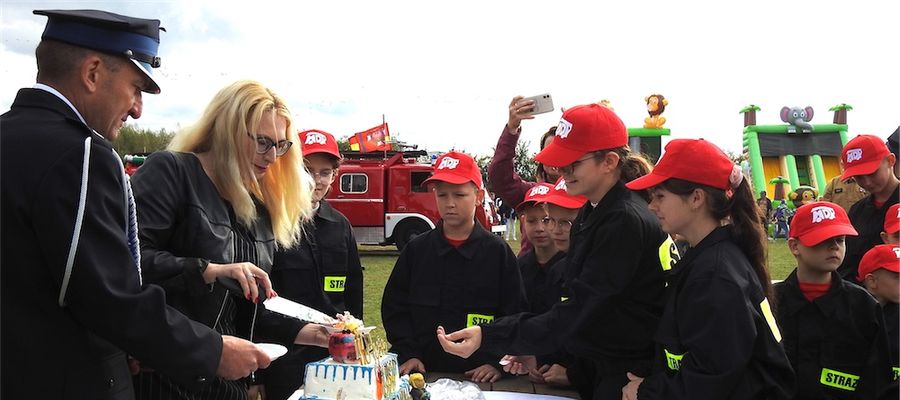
[
  {"x": 73, "y": 351},
  {"x": 325, "y": 262},
  {"x": 322, "y": 272},
  {"x": 434, "y": 283},
  {"x": 836, "y": 343},
  {"x": 869, "y": 223},
  {"x": 617, "y": 291},
  {"x": 541, "y": 289},
  {"x": 718, "y": 338},
  {"x": 892, "y": 325}
]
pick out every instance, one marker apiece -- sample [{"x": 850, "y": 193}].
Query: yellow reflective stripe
[
  {"x": 564, "y": 298},
  {"x": 770, "y": 319},
  {"x": 335, "y": 283},
  {"x": 668, "y": 254},
  {"x": 838, "y": 379},
  {"x": 896, "y": 373},
  {"x": 673, "y": 361},
  {"x": 478, "y": 319}
]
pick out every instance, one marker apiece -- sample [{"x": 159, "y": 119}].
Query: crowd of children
[{"x": 604, "y": 302}]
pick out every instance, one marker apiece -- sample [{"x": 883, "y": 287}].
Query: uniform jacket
[
  {"x": 541, "y": 289},
  {"x": 836, "y": 343},
  {"x": 617, "y": 288},
  {"x": 325, "y": 262},
  {"x": 868, "y": 222},
  {"x": 72, "y": 351},
  {"x": 323, "y": 272},
  {"x": 718, "y": 338},
  {"x": 844, "y": 194},
  {"x": 434, "y": 283},
  {"x": 185, "y": 225}
]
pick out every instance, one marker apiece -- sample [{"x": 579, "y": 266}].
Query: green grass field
[{"x": 378, "y": 269}]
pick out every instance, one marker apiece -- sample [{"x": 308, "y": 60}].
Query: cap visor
[
  {"x": 153, "y": 88},
  {"x": 308, "y": 152},
  {"x": 821, "y": 234},
  {"x": 555, "y": 155},
  {"x": 524, "y": 204},
  {"x": 647, "y": 181},
  {"x": 565, "y": 202},
  {"x": 449, "y": 178},
  {"x": 865, "y": 168}
]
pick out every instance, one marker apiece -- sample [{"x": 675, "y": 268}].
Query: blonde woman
[{"x": 228, "y": 191}]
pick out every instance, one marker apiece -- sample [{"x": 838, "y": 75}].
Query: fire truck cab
[{"x": 382, "y": 195}]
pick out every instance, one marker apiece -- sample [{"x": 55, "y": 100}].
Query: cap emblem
[
  {"x": 853, "y": 155},
  {"x": 448, "y": 162},
  {"x": 564, "y": 128},
  {"x": 561, "y": 185},
  {"x": 538, "y": 190},
  {"x": 315, "y": 138},
  {"x": 822, "y": 213}
]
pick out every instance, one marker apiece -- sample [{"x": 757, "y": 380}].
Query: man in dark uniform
[
  {"x": 867, "y": 159},
  {"x": 323, "y": 272},
  {"x": 72, "y": 298}
]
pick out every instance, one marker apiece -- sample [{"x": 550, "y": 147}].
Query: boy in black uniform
[
  {"x": 867, "y": 159},
  {"x": 323, "y": 272},
  {"x": 833, "y": 330},
  {"x": 536, "y": 262},
  {"x": 456, "y": 275},
  {"x": 879, "y": 271}
]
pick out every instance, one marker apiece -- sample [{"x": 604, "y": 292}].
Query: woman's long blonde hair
[{"x": 286, "y": 189}]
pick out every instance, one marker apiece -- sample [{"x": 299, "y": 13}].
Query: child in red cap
[
  {"x": 891, "y": 232},
  {"x": 618, "y": 283},
  {"x": 866, "y": 158},
  {"x": 535, "y": 263},
  {"x": 879, "y": 271},
  {"x": 717, "y": 338},
  {"x": 833, "y": 330},
  {"x": 456, "y": 275},
  {"x": 323, "y": 271}
]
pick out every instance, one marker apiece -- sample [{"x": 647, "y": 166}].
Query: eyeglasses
[
  {"x": 568, "y": 169},
  {"x": 563, "y": 224},
  {"x": 263, "y": 144},
  {"x": 324, "y": 174}
]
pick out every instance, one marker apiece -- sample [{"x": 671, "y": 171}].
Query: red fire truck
[{"x": 381, "y": 194}]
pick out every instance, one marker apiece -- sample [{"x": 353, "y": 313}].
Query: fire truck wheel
[{"x": 408, "y": 231}]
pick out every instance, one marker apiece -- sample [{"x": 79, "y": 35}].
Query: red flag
[{"x": 372, "y": 139}]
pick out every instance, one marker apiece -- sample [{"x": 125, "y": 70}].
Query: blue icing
[{"x": 345, "y": 372}]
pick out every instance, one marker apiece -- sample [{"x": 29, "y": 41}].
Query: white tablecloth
[{"x": 487, "y": 396}]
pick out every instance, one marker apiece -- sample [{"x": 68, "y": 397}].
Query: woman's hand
[
  {"x": 519, "y": 365},
  {"x": 246, "y": 274},
  {"x": 484, "y": 373},
  {"x": 462, "y": 343},
  {"x": 556, "y": 376},
  {"x": 518, "y": 110},
  {"x": 537, "y": 375}
]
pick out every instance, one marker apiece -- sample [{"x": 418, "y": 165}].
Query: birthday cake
[{"x": 357, "y": 369}]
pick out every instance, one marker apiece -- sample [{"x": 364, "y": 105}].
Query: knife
[{"x": 280, "y": 304}]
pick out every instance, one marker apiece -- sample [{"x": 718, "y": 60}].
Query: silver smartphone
[{"x": 543, "y": 103}]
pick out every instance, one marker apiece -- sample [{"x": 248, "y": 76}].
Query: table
[{"x": 507, "y": 388}]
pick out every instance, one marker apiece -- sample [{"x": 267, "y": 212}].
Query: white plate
[{"x": 272, "y": 350}]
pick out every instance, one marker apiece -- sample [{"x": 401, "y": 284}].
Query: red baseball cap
[
  {"x": 457, "y": 168},
  {"x": 818, "y": 221},
  {"x": 885, "y": 256},
  {"x": 316, "y": 141},
  {"x": 560, "y": 197},
  {"x": 583, "y": 129},
  {"x": 892, "y": 219},
  {"x": 692, "y": 160},
  {"x": 535, "y": 195},
  {"x": 862, "y": 155}
]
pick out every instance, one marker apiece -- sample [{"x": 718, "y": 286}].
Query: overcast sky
[{"x": 442, "y": 73}]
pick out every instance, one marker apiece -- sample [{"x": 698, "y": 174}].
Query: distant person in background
[
  {"x": 893, "y": 145},
  {"x": 501, "y": 172},
  {"x": 511, "y": 225},
  {"x": 867, "y": 159},
  {"x": 843, "y": 192},
  {"x": 765, "y": 211},
  {"x": 781, "y": 215}
]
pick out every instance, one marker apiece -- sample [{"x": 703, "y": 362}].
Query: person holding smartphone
[{"x": 502, "y": 172}]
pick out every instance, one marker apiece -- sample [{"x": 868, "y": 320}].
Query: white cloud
[{"x": 443, "y": 73}]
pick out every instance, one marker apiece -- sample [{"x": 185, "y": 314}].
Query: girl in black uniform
[
  {"x": 618, "y": 283},
  {"x": 457, "y": 275},
  {"x": 718, "y": 338}
]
